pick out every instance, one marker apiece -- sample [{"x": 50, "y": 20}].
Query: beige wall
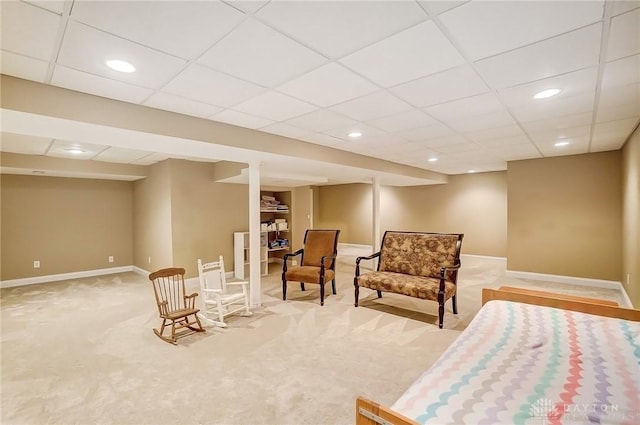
[
  {"x": 346, "y": 207},
  {"x": 204, "y": 215},
  {"x": 565, "y": 215},
  {"x": 631, "y": 217},
  {"x": 301, "y": 212},
  {"x": 69, "y": 225},
  {"x": 474, "y": 204},
  {"x": 152, "y": 219}
]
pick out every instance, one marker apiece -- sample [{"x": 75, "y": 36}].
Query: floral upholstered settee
[{"x": 418, "y": 264}]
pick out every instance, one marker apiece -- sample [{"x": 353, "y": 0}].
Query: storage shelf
[
  {"x": 278, "y": 249},
  {"x": 275, "y": 211}
]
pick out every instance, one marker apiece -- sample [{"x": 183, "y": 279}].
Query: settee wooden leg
[
  {"x": 333, "y": 286},
  {"x": 379, "y": 294},
  {"x": 454, "y": 305},
  {"x": 441, "y": 315},
  {"x": 302, "y": 286},
  {"x": 284, "y": 290},
  {"x": 321, "y": 292},
  {"x": 357, "y": 293}
]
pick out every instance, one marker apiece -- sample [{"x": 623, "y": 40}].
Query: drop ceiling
[{"x": 447, "y": 80}]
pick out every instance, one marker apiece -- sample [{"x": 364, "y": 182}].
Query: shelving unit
[
  {"x": 275, "y": 220},
  {"x": 241, "y": 255}
]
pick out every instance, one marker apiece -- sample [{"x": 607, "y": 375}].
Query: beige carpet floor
[{"x": 83, "y": 352}]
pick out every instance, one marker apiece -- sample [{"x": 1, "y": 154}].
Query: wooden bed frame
[{"x": 371, "y": 413}]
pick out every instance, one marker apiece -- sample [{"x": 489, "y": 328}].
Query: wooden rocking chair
[{"x": 174, "y": 306}]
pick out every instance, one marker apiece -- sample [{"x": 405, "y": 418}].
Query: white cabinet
[{"x": 241, "y": 255}]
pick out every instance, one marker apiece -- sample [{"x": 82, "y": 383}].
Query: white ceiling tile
[
  {"x": 248, "y": 6},
  {"x": 212, "y": 87},
  {"x": 622, "y": 6},
  {"x": 624, "y": 36},
  {"x": 315, "y": 23},
  {"x": 444, "y": 142},
  {"x": 320, "y": 120},
  {"x": 120, "y": 155},
  {"x": 274, "y": 106},
  {"x": 457, "y": 148},
  {"x": 435, "y": 7},
  {"x": 20, "y": 143},
  {"x": 87, "y": 49},
  {"x": 517, "y": 152},
  {"x": 443, "y": 87},
  {"x": 505, "y": 142},
  {"x": 28, "y": 30},
  {"x": 612, "y": 134},
  {"x": 241, "y": 119},
  {"x": 621, "y": 72},
  {"x": 23, "y": 67},
  {"x": 559, "y": 122},
  {"x": 170, "y": 102},
  {"x": 550, "y": 108},
  {"x": 619, "y": 102},
  {"x": 486, "y": 28},
  {"x": 372, "y": 106},
  {"x": 328, "y": 85},
  {"x": 60, "y": 149},
  {"x": 403, "y": 121},
  {"x": 497, "y": 119},
  {"x": 100, "y": 86},
  {"x": 343, "y": 132},
  {"x": 577, "y": 146},
  {"x": 572, "y": 84},
  {"x": 257, "y": 53},
  {"x": 416, "y": 52},
  {"x": 511, "y": 131},
  {"x": 286, "y": 130},
  {"x": 546, "y": 138},
  {"x": 559, "y": 55},
  {"x": 428, "y": 132},
  {"x": 52, "y": 5},
  {"x": 152, "y": 158},
  {"x": 181, "y": 28},
  {"x": 469, "y": 106}
]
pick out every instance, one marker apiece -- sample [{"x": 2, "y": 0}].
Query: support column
[
  {"x": 255, "y": 283},
  {"x": 375, "y": 192}
]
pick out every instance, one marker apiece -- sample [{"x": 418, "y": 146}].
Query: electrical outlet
[
  {"x": 36, "y": 264},
  {"x": 149, "y": 260},
  {"x": 628, "y": 279},
  {"x": 111, "y": 258}
]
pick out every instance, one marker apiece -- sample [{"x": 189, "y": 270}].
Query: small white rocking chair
[{"x": 217, "y": 301}]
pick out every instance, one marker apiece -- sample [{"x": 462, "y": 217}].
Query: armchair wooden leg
[
  {"x": 321, "y": 292},
  {"x": 441, "y": 315},
  {"x": 454, "y": 305},
  {"x": 357, "y": 292},
  {"x": 333, "y": 286},
  {"x": 302, "y": 286},
  {"x": 379, "y": 294},
  {"x": 284, "y": 290}
]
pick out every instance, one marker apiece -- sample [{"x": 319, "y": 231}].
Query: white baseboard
[
  {"x": 572, "y": 280},
  {"x": 140, "y": 271},
  {"x": 63, "y": 276},
  {"x": 502, "y": 260}
]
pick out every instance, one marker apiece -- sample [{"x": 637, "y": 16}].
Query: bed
[{"x": 528, "y": 359}]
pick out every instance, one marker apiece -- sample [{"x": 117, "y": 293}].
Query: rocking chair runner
[{"x": 174, "y": 306}]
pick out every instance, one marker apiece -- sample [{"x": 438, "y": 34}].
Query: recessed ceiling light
[
  {"x": 546, "y": 93},
  {"x": 120, "y": 65},
  {"x": 75, "y": 151},
  {"x": 355, "y": 134},
  {"x": 561, "y": 143},
  {"x": 432, "y": 159}
]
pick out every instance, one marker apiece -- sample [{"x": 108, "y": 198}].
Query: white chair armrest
[{"x": 237, "y": 283}]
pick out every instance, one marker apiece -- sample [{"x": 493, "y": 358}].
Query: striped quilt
[{"x": 524, "y": 364}]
